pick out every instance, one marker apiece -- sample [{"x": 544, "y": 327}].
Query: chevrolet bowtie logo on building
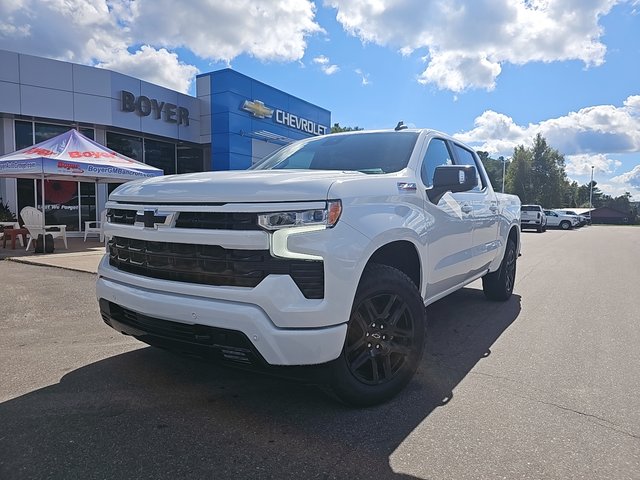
[{"x": 257, "y": 108}]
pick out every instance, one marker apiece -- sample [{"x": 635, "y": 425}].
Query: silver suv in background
[
  {"x": 582, "y": 219},
  {"x": 560, "y": 220},
  {"x": 533, "y": 216}
]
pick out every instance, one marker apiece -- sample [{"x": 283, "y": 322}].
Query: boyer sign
[{"x": 145, "y": 106}]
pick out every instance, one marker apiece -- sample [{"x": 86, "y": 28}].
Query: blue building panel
[
  {"x": 240, "y": 144},
  {"x": 246, "y": 110},
  {"x": 228, "y": 80},
  {"x": 220, "y": 143},
  {"x": 220, "y": 123},
  {"x": 227, "y": 101},
  {"x": 239, "y": 124},
  {"x": 275, "y": 98}
]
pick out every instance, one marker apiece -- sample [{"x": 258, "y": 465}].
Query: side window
[
  {"x": 466, "y": 157},
  {"x": 437, "y": 154}
]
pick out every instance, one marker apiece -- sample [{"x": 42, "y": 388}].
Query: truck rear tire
[
  {"x": 385, "y": 339},
  {"x": 499, "y": 284}
]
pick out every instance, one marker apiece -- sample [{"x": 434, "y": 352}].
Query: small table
[{"x": 12, "y": 233}]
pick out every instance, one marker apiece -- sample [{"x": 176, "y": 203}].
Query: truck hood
[{"x": 239, "y": 186}]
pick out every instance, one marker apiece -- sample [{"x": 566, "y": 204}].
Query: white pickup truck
[{"x": 325, "y": 253}]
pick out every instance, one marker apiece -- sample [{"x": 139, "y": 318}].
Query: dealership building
[{"x": 232, "y": 122}]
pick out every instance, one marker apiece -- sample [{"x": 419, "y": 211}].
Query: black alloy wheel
[
  {"x": 384, "y": 340},
  {"x": 510, "y": 269},
  {"x": 380, "y": 338},
  {"x": 499, "y": 284}
]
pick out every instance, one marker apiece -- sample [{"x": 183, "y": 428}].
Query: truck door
[
  {"x": 485, "y": 212},
  {"x": 451, "y": 226}
]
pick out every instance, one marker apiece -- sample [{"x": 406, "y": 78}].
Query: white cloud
[
  {"x": 155, "y": 66},
  {"x": 330, "y": 69},
  {"x": 363, "y": 76},
  {"x": 618, "y": 189},
  {"x": 496, "y": 133},
  {"x": 74, "y": 30},
  {"x": 581, "y": 164},
  {"x": 601, "y": 129},
  {"x": 631, "y": 178},
  {"x": 457, "y": 71},
  {"x": 101, "y": 32},
  {"x": 222, "y": 30},
  {"x": 468, "y": 40},
  {"x": 325, "y": 65},
  {"x": 590, "y": 136}
]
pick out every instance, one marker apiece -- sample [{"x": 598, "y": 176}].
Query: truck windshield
[{"x": 375, "y": 152}]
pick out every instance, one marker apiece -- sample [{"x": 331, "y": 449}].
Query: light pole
[{"x": 591, "y": 194}]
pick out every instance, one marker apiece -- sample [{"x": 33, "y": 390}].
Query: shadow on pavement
[{"x": 150, "y": 414}]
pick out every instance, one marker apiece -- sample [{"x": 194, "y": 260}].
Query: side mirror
[{"x": 452, "y": 178}]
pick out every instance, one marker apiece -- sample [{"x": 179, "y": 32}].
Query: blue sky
[{"x": 493, "y": 72}]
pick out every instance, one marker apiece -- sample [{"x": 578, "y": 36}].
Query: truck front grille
[
  {"x": 121, "y": 216},
  {"x": 212, "y": 265},
  {"x": 218, "y": 220},
  {"x": 202, "y": 220}
]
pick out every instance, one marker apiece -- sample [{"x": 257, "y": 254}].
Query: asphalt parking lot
[{"x": 546, "y": 385}]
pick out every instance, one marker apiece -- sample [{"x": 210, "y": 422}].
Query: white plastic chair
[
  {"x": 96, "y": 226},
  {"x": 32, "y": 219}
]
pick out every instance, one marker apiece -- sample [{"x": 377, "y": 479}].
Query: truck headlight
[{"x": 327, "y": 216}]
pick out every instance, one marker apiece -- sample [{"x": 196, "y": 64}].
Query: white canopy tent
[{"x": 73, "y": 157}]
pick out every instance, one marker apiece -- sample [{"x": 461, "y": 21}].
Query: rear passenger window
[
  {"x": 437, "y": 154},
  {"x": 466, "y": 157}
]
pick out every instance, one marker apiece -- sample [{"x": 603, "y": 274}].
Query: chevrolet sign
[
  {"x": 259, "y": 110},
  {"x": 293, "y": 121}
]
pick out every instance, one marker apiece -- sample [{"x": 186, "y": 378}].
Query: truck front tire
[
  {"x": 499, "y": 284},
  {"x": 385, "y": 339}
]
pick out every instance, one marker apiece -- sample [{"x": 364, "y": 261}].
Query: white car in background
[
  {"x": 582, "y": 219},
  {"x": 532, "y": 216},
  {"x": 560, "y": 220}
]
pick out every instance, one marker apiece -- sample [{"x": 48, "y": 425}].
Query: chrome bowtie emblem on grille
[{"x": 151, "y": 218}]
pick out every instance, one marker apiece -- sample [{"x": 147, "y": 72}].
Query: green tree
[
  {"x": 337, "y": 128},
  {"x": 548, "y": 175},
  {"x": 621, "y": 203},
  {"x": 537, "y": 175},
  {"x": 517, "y": 179},
  {"x": 494, "y": 168},
  {"x": 598, "y": 199}
]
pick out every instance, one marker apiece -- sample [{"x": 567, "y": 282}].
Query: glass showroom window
[
  {"x": 24, "y": 134},
  {"x": 190, "y": 159},
  {"x": 126, "y": 145},
  {"x": 160, "y": 155},
  {"x": 45, "y": 131}
]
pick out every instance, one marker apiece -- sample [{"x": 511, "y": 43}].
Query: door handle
[{"x": 466, "y": 208}]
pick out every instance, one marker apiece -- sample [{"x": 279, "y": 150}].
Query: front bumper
[{"x": 276, "y": 346}]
